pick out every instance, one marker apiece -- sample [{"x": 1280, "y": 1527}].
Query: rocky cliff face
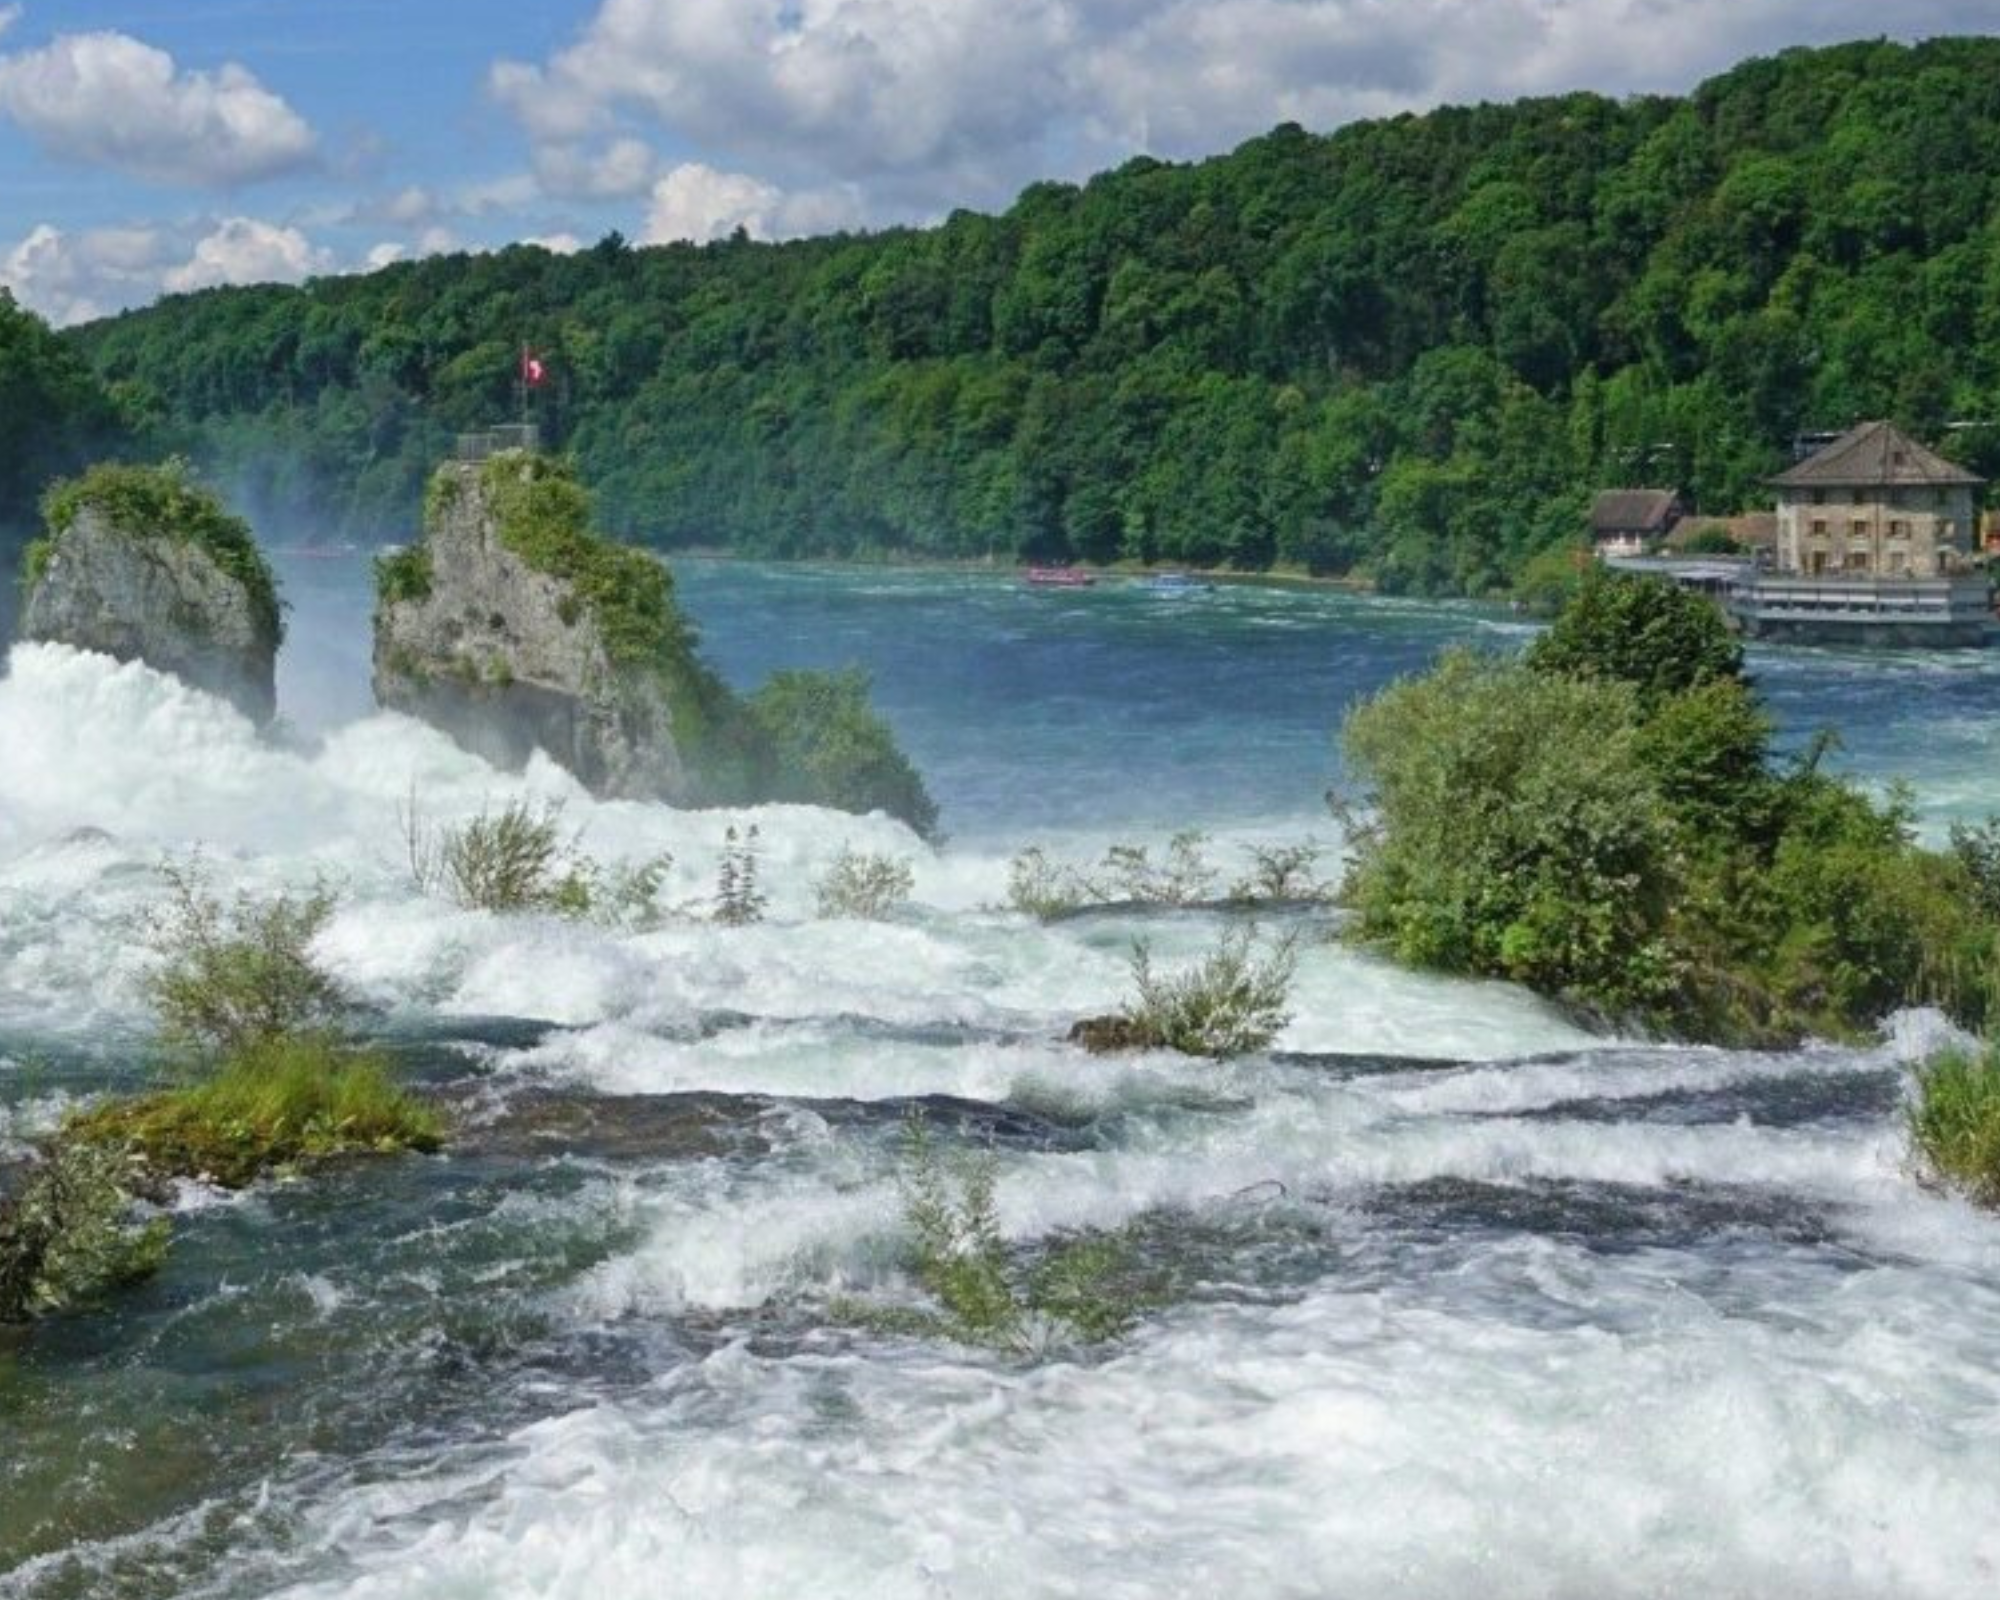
[
  {"x": 140, "y": 594},
  {"x": 502, "y": 629}
]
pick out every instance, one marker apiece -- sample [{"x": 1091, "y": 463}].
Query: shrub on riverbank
[
  {"x": 1604, "y": 821},
  {"x": 1954, "y": 1120}
]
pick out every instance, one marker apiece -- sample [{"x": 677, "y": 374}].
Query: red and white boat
[{"x": 1060, "y": 577}]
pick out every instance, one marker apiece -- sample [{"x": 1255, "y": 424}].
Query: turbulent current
[{"x": 1455, "y": 1298}]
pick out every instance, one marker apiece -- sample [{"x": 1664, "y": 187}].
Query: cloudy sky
[{"x": 157, "y": 145}]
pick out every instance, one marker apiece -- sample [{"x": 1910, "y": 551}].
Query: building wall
[{"x": 1881, "y": 532}]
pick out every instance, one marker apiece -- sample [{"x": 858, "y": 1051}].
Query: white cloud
[
  {"x": 559, "y": 244},
  {"x": 244, "y": 250},
  {"x": 926, "y": 104},
  {"x": 75, "y": 277},
  {"x": 110, "y": 100},
  {"x": 696, "y": 202},
  {"x": 616, "y": 171}
]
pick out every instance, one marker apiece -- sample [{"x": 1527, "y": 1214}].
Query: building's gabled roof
[
  {"x": 1874, "y": 455},
  {"x": 1633, "y": 511}
]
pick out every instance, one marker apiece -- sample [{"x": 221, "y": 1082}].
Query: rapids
[{"x": 1457, "y": 1299}]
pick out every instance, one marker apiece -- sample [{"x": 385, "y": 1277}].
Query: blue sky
[{"x": 153, "y": 145}]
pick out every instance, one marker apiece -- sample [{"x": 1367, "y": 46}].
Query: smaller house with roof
[{"x": 1629, "y": 522}]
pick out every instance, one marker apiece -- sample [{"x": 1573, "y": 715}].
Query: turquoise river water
[{"x": 1460, "y": 1300}]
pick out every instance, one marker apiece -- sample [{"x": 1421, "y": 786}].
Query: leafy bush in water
[
  {"x": 275, "y": 1103},
  {"x": 864, "y": 886},
  {"x": 987, "y": 1296},
  {"x": 827, "y": 747},
  {"x": 516, "y": 860},
  {"x": 1229, "y": 1003},
  {"x": 232, "y": 976},
  {"x": 1605, "y": 823},
  {"x": 1954, "y": 1120},
  {"x": 739, "y": 900},
  {"x": 67, "y": 1234}
]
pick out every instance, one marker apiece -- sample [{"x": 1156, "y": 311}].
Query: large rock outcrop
[
  {"x": 140, "y": 564},
  {"x": 513, "y": 628}
]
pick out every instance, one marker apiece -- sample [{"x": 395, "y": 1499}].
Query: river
[{"x": 1453, "y": 1298}]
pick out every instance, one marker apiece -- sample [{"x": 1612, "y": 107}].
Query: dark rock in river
[{"x": 129, "y": 592}]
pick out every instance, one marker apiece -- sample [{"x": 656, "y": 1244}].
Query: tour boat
[{"x": 1060, "y": 578}]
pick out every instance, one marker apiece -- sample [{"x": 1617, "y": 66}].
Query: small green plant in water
[
  {"x": 1229, "y": 1003},
  {"x": 67, "y": 1232},
  {"x": 739, "y": 900},
  {"x": 516, "y": 860},
  {"x": 1954, "y": 1120},
  {"x": 986, "y": 1295},
  {"x": 237, "y": 974},
  {"x": 864, "y": 886}
]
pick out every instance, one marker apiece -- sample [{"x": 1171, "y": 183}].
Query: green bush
[
  {"x": 1229, "y": 1003},
  {"x": 1604, "y": 822},
  {"x": 865, "y": 886},
  {"x": 163, "y": 502},
  {"x": 275, "y": 1103},
  {"x": 1079, "y": 1287},
  {"x": 1954, "y": 1121},
  {"x": 67, "y": 1234},
  {"x": 1644, "y": 631},
  {"x": 403, "y": 574},
  {"x": 826, "y": 746},
  {"x": 232, "y": 976},
  {"x": 515, "y": 860},
  {"x": 1517, "y": 831}
]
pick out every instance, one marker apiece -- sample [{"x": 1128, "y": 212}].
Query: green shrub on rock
[
  {"x": 826, "y": 746},
  {"x": 67, "y": 1234},
  {"x": 162, "y": 502}
]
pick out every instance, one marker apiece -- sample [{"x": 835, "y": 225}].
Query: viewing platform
[{"x": 1944, "y": 612}]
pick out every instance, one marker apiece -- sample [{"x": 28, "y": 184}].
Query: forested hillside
[
  {"x": 54, "y": 416},
  {"x": 1408, "y": 349}
]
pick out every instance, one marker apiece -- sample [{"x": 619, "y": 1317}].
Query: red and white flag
[{"x": 534, "y": 372}]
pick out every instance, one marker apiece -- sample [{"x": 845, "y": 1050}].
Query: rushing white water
[{"x": 1460, "y": 1299}]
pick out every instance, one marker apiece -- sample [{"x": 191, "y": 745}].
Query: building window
[
  {"x": 1857, "y": 561},
  {"x": 1819, "y": 526},
  {"x": 1899, "y": 530},
  {"x": 1858, "y": 528}
]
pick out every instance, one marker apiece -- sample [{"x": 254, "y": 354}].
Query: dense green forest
[
  {"x": 54, "y": 416},
  {"x": 1409, "y": 349}
]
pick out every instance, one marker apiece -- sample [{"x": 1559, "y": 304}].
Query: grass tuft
[
  {"x": 1954, "y": 1120},
  {"x": 279, "y": 1103}
]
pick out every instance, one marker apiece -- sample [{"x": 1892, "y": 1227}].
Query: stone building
[
  {"x": 1875, "y": 542},
  {"x": 1875, "y": 503}
]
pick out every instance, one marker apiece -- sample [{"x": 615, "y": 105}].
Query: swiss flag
[{"x": 534, "y": 372}]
